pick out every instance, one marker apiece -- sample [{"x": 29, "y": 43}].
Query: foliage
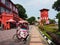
[
  {"x": 52, "y": 25},
  {"x": 56, "y": 6},
  {"x": 31, "y": 20},
  {"x": 52, "y": 21},
  {"x": 47, "y": 35},
  {"x": 43, "y": 22},
  {"x": 50, "y": 28},
  {"x": 58, "y": 17},
  {"x": 58, "y": 33},
  {"x": 38, "y": 17},
  {"x": 21, "y": 11},
  {"x": 41, "y": 27},
  {"x": 44, "y": 32}
]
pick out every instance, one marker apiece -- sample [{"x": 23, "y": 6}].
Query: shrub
[{"x": 41, "y": 27}]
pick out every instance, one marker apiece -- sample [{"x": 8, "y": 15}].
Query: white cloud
[
  {"x": 38, "y": 2},
  {"x": 33, "y": 6},
  {"x": 34, "y": 3}
]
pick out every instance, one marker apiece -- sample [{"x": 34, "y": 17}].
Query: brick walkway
[{"x": 36, "y": 38}]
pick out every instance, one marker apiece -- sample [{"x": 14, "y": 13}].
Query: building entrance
[
  {"x": 12, "y": 25},
  {"x": 0, "y": 25}
]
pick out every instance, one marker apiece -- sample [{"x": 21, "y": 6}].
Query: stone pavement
[
  {"x": 6, "y": 38},
  {"x": 12, "y": 42},
  {"x": 36, "y": 38},
  {"x": 6, "y": 34}
]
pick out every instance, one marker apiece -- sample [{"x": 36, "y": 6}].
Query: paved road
[
  {"x": 35, "y": 37},
  {"x": 7, "y": 34},
  {"x": 12, "y": 42},
  {"x": 6, "y": 38}
]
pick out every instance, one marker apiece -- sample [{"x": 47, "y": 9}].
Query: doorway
[
  {"x": 12, "y": 25},
  {"x": 0, "y": 25}
]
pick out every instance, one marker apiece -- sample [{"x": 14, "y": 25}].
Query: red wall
[
  {"x": 44, "y": 15},
  {"x": 5, "y": 18}
]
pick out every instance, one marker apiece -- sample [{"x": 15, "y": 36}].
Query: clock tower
[{"x": 44, "y": 15}]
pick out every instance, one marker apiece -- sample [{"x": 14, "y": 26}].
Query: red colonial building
[
  {"x": 44, "y": 15},
  {"x": 8, "y": 14}
]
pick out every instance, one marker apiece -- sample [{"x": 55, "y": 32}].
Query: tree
[
  {"x": 58, "y": 17},
  {"x": 52, "y": 21},
  {"x": 43, "y": 22},
  {"x": 21, "y": 11},
  {"x": 38, "y": 17},
  {"x": 56, "y": 6},
  {"x": 31, "y": 20}
]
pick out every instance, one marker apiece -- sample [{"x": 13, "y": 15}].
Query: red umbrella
[
  {"x": 23, "y": 21},
  {"x": 11, "y": 20}
]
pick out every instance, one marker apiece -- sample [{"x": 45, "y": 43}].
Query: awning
[
  {"x": 11, "y": 20},
  {"x": 20, "y": 21},
  {"x": 23, "y": 21}
]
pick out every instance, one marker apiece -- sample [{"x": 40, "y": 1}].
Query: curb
[{"x": 48, "y": 40}]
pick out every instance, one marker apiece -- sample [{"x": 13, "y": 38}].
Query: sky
[{"x": 33, "y": 6}]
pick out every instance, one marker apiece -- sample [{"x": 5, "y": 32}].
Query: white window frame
[
  {"x": 7, "y": 3},
  {"x": 16, "y": 10},
  {"x": 2, "y": 9},
  {"x": 3, "y": 1},
  {"x": 10, "y": 5}
]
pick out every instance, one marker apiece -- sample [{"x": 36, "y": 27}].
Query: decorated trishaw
[{"x": 22, "y": 32}]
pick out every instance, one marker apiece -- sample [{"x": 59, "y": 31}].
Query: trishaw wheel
[{"x": 15, "y": 38}]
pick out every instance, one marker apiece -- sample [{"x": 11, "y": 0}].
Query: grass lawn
[{"x": 50, "y": 28}]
